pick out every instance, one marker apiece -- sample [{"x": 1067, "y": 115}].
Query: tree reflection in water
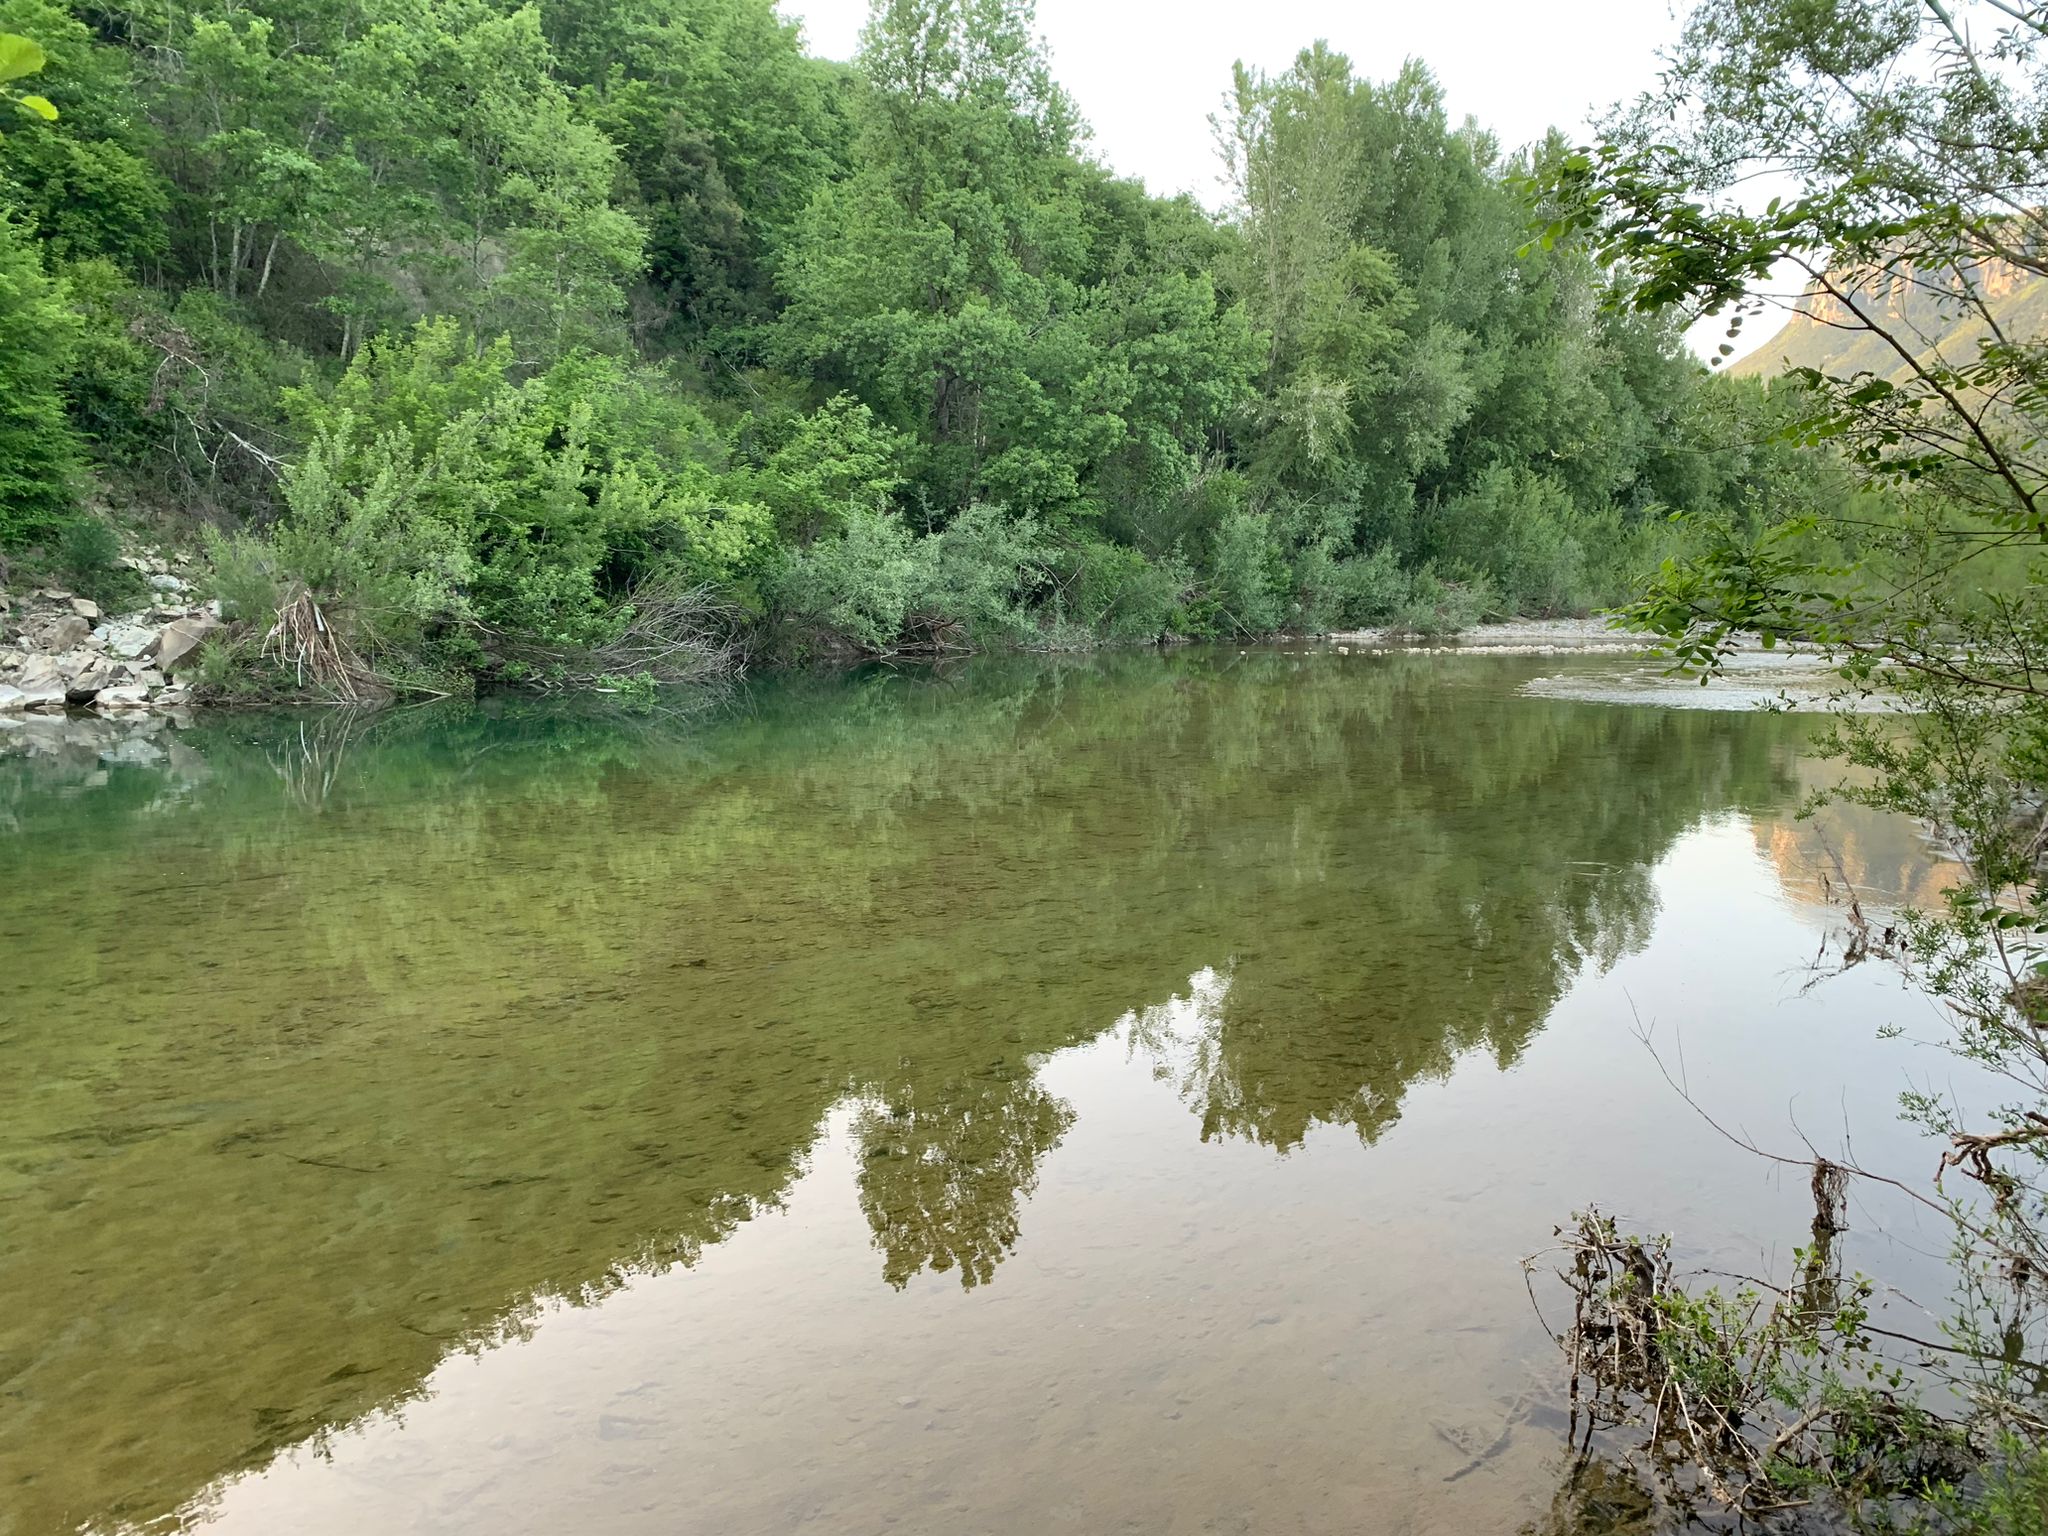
[{"x": 294, "y": 1104}]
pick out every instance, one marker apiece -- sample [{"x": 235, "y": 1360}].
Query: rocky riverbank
[
  {"x": 61, "y": 652},
  {"x": 1515, "y": 637}
]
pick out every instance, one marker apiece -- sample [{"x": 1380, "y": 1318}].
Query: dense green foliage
[
  {"x": 1912, "y": 139},
  {"x": 469, "y": 320}
]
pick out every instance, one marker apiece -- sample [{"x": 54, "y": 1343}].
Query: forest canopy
[{"x": 480, "y": 324}]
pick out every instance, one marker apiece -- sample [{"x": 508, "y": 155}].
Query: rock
[
  {"x": 128, "y": 696},
  {"x": 166, "y": 583},
  {"x": 12, "y": 699},
  {"x": 182, "y": 638},
  {"x": 62, "y": 634},
  {"x": 86, "y": 609},
  {"x": 41, "y": 674},
  {"x": 84, "y": 670},
  {"x": 129, "y": 640},
  {"x": 149, "y": 677},
  {"x": 133, "y": 749}
]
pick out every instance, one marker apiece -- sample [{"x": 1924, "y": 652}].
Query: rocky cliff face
[{"x": 1932, "y": 315}]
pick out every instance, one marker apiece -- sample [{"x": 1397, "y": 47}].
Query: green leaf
[
  {"x": 40, "y": 105},
  {"x": 19, "y": 56}
]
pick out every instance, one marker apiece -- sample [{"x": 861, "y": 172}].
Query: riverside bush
[
  {"x": 1115, "y": 593},
  {"x": 554, "y": 312},
  {"x": 875, "y": 582},
  {"x": 1248, "y": 573},
  {"x": 440, "y": 497}
]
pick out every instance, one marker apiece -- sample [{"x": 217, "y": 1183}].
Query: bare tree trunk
[{"x": 268, "y": 257}]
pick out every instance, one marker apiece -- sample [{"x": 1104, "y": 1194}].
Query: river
[{"x": 1100, "y": 1095}]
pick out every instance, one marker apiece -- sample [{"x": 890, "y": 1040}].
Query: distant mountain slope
[{"x": 1822, "y": 334}]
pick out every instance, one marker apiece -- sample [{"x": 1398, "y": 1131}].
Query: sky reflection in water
[{"x": 1105, "y": 1095}]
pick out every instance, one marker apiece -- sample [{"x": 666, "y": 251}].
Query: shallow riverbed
[{"x": 1098, "y": 1096}]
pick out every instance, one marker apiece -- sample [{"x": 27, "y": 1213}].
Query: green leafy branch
[{"x": 20, "y": 58}]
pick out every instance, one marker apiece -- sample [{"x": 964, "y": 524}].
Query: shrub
[
  {"x": 1437, "y": 609},
  {"x": 39, "y": 452},
  {"x": 245, "y": 578},
  {"x": 981, "y": 571},
  {"x": 86, "y": 554},
  {"x": 442, "y": 507},
  {"x": 857, "y": 584},
  {"x": 874, "y": 582},
  {"x": 1520, "y": 531},
  {"x": 1372, "y": 589},
  {"x": 1248, "y": 576},
  {"x": 1116, "y": 594},
  {"x": 816, "y": 469}
]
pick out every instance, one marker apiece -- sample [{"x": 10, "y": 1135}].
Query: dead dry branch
[
  {"x": 670, "y": 635},
  {"x": 318, "y": 656}
]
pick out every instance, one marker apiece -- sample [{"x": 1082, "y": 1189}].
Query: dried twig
[{"x": 320, "y": 658}]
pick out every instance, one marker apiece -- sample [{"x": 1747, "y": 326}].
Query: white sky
[{"x": 1147, "y": 73}]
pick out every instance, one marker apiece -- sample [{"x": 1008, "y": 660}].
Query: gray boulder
[
  {"x": 63, "y": 633},
  {"x": 181, "y": 639},
  {"x": 129, "y": 640},
  {"x": 41, "y": 685},
  {"x": 41, "y": 674},
  {"x": 73, "y": 666}
]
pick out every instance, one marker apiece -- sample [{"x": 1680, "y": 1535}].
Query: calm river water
[{"x": 1110, "y": 1096}]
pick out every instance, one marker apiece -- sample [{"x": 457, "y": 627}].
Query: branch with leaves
[{"x": 20, "y": 58}]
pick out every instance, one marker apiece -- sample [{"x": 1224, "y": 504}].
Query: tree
[
  {"x": 1415, "y": 350},
  {"x": 401, "y": 153},
  {"x": 87, "y": 186},
  {"x": 39, "y": 452},
  {"x": 958, "y": 284},
  {"x": 1909, "y": 137},
  {"x": 725, "y": 132}
]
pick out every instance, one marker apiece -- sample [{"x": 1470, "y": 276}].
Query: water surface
[{"x": 1107, "y": 1096}]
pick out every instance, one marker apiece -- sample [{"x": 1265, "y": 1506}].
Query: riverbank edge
[{"x": 64, "y": 653}]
